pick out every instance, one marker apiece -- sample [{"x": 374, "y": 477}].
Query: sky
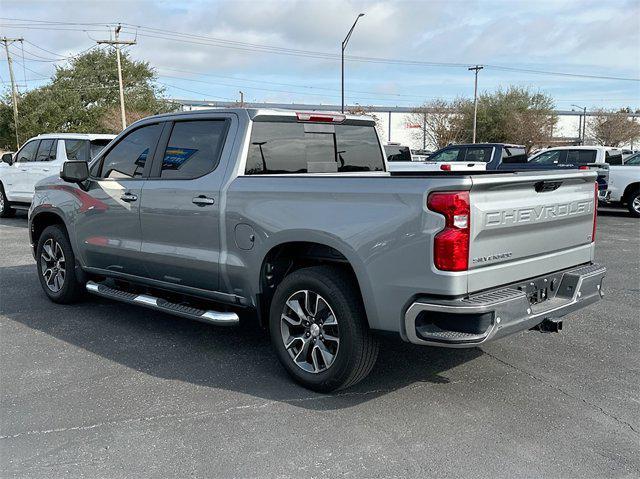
[{"x": 289, "y": 51}]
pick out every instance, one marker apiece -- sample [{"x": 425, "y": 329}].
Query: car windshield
[{"x": 633, "y": 160}]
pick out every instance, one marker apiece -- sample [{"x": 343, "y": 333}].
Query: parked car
[
  {"x": 624, "y": 185},
  {"x": 575, "y": 156},
  {"x": 492, "y": 155},
  {"x": 293, "y": 216},
  {"x": 38, "y": 158}
]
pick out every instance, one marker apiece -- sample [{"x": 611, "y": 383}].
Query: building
[{"x": 394, "y": 125}]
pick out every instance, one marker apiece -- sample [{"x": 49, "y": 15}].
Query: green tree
[
  {"x": 83, "y": 97},
  {"x": 514, "y": 115}
]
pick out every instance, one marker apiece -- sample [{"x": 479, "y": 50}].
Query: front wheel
[
  {"x": 5, "y": 208},
  {"x": 634, "y": 203},
  {"x": 56, "y": 266},
  {"x": 319, "y": 329}
]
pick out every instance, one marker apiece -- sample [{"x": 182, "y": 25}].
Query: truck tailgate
[{"x": 528, "y": 224}]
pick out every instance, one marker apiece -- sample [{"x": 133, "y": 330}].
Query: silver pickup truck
[{"x": 293, "y": 216}]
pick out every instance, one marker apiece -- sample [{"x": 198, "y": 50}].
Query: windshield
[
  {"x": 633, "y": 160},
  {"x": 96, "y": 147}
]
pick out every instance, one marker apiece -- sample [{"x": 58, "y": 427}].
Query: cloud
[{"x": 592, "y": 37}]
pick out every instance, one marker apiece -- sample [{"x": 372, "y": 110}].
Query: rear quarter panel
[{"x": 379, "y": 223}]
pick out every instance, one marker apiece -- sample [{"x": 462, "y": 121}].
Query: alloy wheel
[
  {"x": 52, "y": 265},
  {"x": 635, "y": 204},
  {"x": 309, "y": 330}
]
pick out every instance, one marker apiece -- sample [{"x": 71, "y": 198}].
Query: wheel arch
[
  {"x": 631, "y": 187},
  {"x": 40, "y": 219},
  {"x": 287, "y": 255}
]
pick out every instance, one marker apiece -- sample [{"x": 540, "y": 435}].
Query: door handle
[
  {"x": 129, "y": 197},
  {"x": 45, "y": 169},
  {"x": 203, "y": 200}
]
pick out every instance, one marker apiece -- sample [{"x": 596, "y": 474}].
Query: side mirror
[
  {"x": 8, "y": 158},
  {"x": 74, "y": 171}
]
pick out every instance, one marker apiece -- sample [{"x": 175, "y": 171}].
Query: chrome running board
[{"x": 218, "y": 318}]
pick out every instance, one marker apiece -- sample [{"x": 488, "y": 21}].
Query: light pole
[
  {"x": 477, "y": 68},
  {"x": 344, "y": 45},
  {"x": 584, "y": 121}
]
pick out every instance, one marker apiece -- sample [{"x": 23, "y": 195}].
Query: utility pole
[
  {"x": 14, "y": 88},
  {"x": 344, "y": 45},
  {"x": 583, "y": 123},
  {"x": 116, "y": 43},
  {"x": 424, "y": 130},
  {"x": 241, "y": 99},
  {"x": 476, "y": 69}
]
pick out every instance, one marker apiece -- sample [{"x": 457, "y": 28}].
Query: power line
[{"x": 252, "y": 47}]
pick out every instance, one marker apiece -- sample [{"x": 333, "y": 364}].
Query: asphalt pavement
[{"x": 102, "y": 389}]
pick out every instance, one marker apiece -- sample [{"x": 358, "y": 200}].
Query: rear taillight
[
  {"x": 595, "y": 213},
  {"x": 451, "y": 245},
  {"x": 320, "y": 117},
  {"x": 583, "y": 167},
  {"x": 445, "y": 167}
]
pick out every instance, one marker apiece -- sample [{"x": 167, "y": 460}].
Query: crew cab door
[
  {"x": 108, "y": 222},
  {"x": 17, "y": 177},
  {"x": 180, "y": 208}
]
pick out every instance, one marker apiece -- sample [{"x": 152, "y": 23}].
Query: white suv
[{"x": 38, "y": 158}]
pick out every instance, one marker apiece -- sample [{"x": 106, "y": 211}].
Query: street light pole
[
  {"x": 477, "y": 68},
  {"x": 344, "y": 45},
  {"x": 584, "y": 122}
]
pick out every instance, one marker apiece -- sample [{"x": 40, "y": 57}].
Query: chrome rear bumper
[{"x": 493, "y": 314}]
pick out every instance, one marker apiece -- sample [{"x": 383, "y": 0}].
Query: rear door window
[
  {"x": 478, "y": 154},
  {"x": 194, "y": 149},
  {"x": 127, "y": 159},
  {"x": 613, "y": 157},
  {"x": 28, "y": 152},
  {"x": 96, "y": 146},
  {"x": 76, "y": 150},
  {"x": 284, "y": 148},
  {"x": 514, "y": 154},
  {"x": 581, "y": 157},
  {"x": 451, "y": 154},
  {"x": 46, "y": 150}
]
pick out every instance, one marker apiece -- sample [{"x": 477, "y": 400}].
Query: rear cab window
[
  {"x": 285, "y": 147},
  {"x": 478, "y": 154},
  {"x": 397, "y": 153},
  {"x": 581, "y": 157}
]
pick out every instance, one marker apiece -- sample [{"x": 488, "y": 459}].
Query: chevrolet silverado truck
[{"x": 294, "y": 216}]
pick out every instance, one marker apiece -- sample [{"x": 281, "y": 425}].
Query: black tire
[
  {"x": 357, "y": 351},
  {"x": 634, "y": 198},
  {"x": 70, "y": 290},
  {"x": 5, "y": 208}
]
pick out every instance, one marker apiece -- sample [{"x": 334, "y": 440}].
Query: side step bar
[{"x": 212, "y": 317}]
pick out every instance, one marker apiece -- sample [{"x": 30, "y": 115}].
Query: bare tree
[
  {"x": 613, "y": 128},
  {"x": 435, "y": 123}
]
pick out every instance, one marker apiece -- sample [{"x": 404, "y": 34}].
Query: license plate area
[{"x": 539, "y": 290}]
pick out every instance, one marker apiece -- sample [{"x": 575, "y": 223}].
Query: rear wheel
[
  {"x": 633, "y": 203},
  {"x": 56, "y": 266},
  {"x": 319, "y": 329},
  {"x": 5, "y": 208}
]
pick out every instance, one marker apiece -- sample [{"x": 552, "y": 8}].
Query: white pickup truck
[
  {"x": 40, "y": 157},
  {"x": 624, "y": 185}
]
